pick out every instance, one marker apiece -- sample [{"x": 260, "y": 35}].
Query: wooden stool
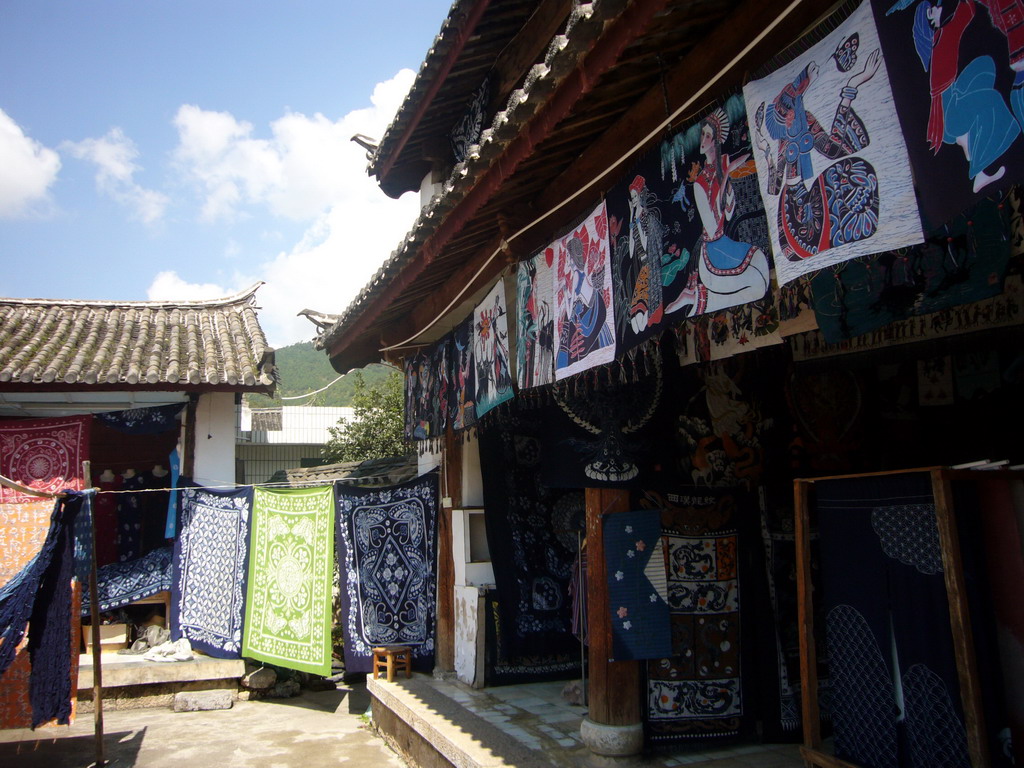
[{"x": 385, "y": 658}]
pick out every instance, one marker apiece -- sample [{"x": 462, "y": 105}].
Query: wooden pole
[
  {"x": 960, "y": 619},
  {"x": 614, "y": 685},
  {"x": 94, "y": 626}
]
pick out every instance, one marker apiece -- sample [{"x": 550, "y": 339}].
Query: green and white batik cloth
[{"x": 291, "y": 563}]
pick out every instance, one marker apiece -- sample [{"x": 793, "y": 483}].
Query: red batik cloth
[{"x": 44, "y": 454}]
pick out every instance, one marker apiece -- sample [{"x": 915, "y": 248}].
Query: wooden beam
[
  {"x": 704, "y": 62},
  {"x": 614, "y": 697},
  {"x": 960, "y": 619}
]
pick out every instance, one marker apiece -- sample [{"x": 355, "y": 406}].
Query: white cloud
[
  {"x": 306, "y": 167},
  {"x": 168, "y": 286},
  {"x": 29, "y": 169},
  {"x": 309, "y": 171},
  {"x": 114, "y": 156}
]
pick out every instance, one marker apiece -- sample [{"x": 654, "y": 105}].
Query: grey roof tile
[{"x": 218, "y": 343}]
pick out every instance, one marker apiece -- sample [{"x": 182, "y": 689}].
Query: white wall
[
  {"x": 215, "y": 439},
  {"x": 469, "y": 636}
]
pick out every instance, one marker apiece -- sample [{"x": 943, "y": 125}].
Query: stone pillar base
[{"x": 612, "y": 740}]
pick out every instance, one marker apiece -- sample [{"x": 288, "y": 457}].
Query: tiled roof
[{"x": 216, "y": 343}]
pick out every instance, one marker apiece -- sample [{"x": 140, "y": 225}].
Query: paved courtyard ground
[{"x": 314, "y": 730}]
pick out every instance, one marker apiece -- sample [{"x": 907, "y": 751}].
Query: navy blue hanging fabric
[
  {"x": 143, "y": 421},
  {"x": 896, "y": 699}
]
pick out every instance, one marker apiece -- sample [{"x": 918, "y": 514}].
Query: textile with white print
[
  {"x": 210, "y": 567},
  {"x": 387, "y": 544}
]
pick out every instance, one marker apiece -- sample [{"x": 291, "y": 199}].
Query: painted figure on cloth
[
  {"x": 536, "y": 342},
  {"x": 730, "y": 272},
  {"x": 493, "y": 377},
  {"x": 966, "y": 109},
  {"x": 585, "y": 328},
  {"x": 839, "y": 205},
  {"x": 644, "y": 248}
]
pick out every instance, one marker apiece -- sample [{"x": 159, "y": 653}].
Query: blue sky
[{"x": 173, "y": 149}]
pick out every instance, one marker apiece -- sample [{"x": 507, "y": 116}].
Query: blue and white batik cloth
[
  {"x": 387, "y": 548},
  {"x": 211, "y": 560}
]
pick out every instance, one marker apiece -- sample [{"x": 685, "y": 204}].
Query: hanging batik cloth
[
  {"x": 144, "y": 421},
  {"x": 211, "y": 558},
  {"x": 426, "y": 392},
  {"x": 387, "y": 551},
  {"x": 688, "y": 228},
  {"x": 962, "y": 262},
  {"x": 38, "y": 676},
  {"x": 289, "y": 592},
  {"x": 462, "y": 386},
  {"x": 699, "y": 692},
  {"x": 831, "y": 161},
  {"x": 896, "y": 697},
  {"x": 611, "y": 433},
  {"x": 532, "y": 535},
  {"x": 43, "y": 454},
  {"x": 121, "y": 583},
  {"x": 637, "y": 586},
  {"x": 957, "y": 71},
  {"x": 491, "y": 352},
  {"x": 535, "y": 316},
  {"x": 584, "y": 313}
]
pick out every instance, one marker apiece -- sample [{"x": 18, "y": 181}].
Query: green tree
[{"x": 377, "y": 429}]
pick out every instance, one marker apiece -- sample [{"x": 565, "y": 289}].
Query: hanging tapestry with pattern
[
  {"x": 211, "y": 559},
  {"x": 531, "y": 533},
  {"x": 896, "y": 696},
  {"x": 584, "y": 313},
  {"x": 387, "y": 550},
  {"x": 831, "y": 161},
  {"x": 688, "y": 228},
  {"x": 44, "y": 454},
  {"x": 491, "y": 351},
  {"x": 699, "y": 692},
  {"x": 535, "y": 317},
  {"x": 462, "y": 385},
  {"x": 637, "y": 587},
  {"x": 957, "y": 70},
  {"x": 289, "y": 591}
]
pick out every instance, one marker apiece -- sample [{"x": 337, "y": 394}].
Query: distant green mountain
[{"x": 303, "y": 369}]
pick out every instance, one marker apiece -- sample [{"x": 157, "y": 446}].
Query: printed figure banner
[
  {"x": 291, "y": 564},
  {"x": 535, "y": 315},
  {"x": 490, "y": 343},
  {"x": 426, "y": 391},
  {"x": 584, "y": 315},
  {"x": 957, "y": 70},
  {"x": 831, "y": 161},
  {"x": 688, "y": 228},
  {"x": 44, "y": 454},
  {"x": 211, "y": 558},
  {"x": 462, "y": 387},
  {"x": 387, "y": 544}
]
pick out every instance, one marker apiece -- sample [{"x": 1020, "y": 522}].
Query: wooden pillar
[
  {"x": 614, "y": 695},
  {"x": 451, "y": 494}
]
